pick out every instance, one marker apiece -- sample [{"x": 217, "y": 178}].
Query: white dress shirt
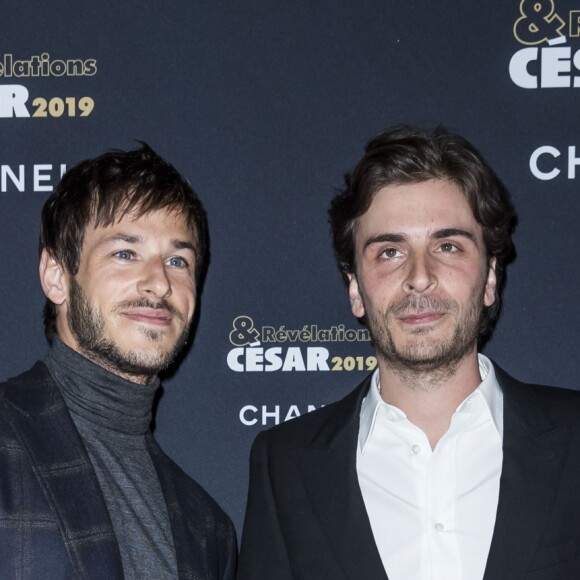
[{"x": 432, "y": 512}]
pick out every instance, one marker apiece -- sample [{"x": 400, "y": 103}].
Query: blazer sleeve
[
  {"x": 229, "y": 554},
  {"x": 263, "y": 554}
]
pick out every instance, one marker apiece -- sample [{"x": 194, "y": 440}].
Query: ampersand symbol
[
  {"x": 539, "y": 22},
  {"x": 244, "y": 332}
]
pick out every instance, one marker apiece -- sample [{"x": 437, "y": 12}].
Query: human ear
[
  {"x": 53, "y": 278},
  {"x": 356, "y": 301},
  {"x": 489, "y": 295}
]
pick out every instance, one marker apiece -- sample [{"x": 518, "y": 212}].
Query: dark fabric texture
[
  {"x": 306, "y": 519},
  {"x": 54, "y": 522},
  {"x": 112, "y": 416}
]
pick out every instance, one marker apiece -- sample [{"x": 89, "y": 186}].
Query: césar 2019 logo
[
  {"x": 14, "y": 103},
  {"x": 15, "y": 100},
  {"x": 556, "y": 64},
  {"x": 250, "y": 355}
]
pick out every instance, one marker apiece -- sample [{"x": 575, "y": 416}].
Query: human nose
[
  {"x": 154, "y": 279},
  {"x": 421, "y": 275}
]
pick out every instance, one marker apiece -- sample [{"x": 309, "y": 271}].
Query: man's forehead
[
  {"x": 424, "y": 207},
  {"x": 170, "y": 223},
  {"x": 436, "y": 198}
]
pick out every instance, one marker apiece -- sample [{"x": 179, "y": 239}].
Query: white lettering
[
  {"x": 576, "y": 61},
  {"x": 556, "y": 60},
  {"x": 6, "y": 172},
  {"x": 292, "y": 413},
  {"x": 233, "y": 360},
  {"x": 536, "y": 172},
  {"x": 317, "y": 359},
  {"x": 254, "y": 359},
  {"x": 243, "y": 417},
  {"x": 251, "y": 415},
  {"x": 293, "y": 360},
  {"x": 38, "y": 177},
  {"x": 259, "y": 359},
  {"x": 555, "y": 66},
  {"x": 275, "y": 414},
  {"x": 13, "y": 101},
  {"x": 573, "y": 161},
  {"x": 519, "y": 68},
  {"x": 272, "y": 355}
]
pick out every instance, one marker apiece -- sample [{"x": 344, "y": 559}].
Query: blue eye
[
  {"x": 124, "y": 255},
  {"x": 177, "y": 262}
]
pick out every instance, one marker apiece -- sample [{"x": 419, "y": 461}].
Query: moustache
[
  {"x": 146, "y": 303},
  {"x": 418, "y": 304}
]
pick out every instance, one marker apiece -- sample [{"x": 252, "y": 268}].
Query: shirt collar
[{"x": 488, "y": 389}]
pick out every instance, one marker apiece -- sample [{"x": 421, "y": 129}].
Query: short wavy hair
[{"x": 405, "y": 154}]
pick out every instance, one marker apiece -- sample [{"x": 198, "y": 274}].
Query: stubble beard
[
  {"x": 426, "y": 362},
  {"x": 88, "y": 328}
]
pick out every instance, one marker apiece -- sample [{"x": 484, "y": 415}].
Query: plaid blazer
[{"x": 54, "y": 523}]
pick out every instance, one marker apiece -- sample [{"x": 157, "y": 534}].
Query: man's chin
[
  {"x": 427, "y": 354},
  {"x": 421, "y": 344},
  {"x": 131, "y": 361}
]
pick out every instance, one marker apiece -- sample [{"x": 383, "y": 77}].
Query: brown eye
[{"x": 390, "y": 253}]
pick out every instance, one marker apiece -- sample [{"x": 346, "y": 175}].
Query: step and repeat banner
[{"x": 264, "y": 106}]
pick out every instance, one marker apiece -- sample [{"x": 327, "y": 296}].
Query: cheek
[
  {"x": 380, "y": 292},
  {"x": 464, "y": 278},
  {"x": 185, "y": 294},
  {"x": 109, "y": 293},
  {"x": 191, "y": 305}
]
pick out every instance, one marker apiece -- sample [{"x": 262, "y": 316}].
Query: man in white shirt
[{"x": 439, "y": 466}]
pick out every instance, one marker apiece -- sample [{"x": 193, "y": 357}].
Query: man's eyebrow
[
  {"x": 451, "y": 232},
  {"x": 381, "y": 238},
  {"x": 121, "y": 238},
  {"x": 183, "y": 245},
  {"x": 129, "y": 239}
]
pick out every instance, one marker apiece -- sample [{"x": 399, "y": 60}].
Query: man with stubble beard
[
  {"x": 85, "y": 491},
  {"x": 439, "y": 466}
]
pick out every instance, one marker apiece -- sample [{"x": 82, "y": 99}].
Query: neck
[
  {"x": 137, "y": 378},
  {"x": 430, "y": 397},
  {"x": 97, "y": 397}
]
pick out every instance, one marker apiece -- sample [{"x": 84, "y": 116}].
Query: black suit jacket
[
  {"x": 54, "y": 523},
  {"x": 306, "y": 519}
]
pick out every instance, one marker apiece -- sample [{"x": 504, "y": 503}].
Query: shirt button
[
  {"x": 439, "y": 527},
  {"x": 416, "y": 449}
]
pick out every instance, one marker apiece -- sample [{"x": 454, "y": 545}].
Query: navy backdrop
[{"x": 263, "y": 106}]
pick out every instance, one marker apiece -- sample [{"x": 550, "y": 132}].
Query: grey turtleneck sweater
[{"x": 113, "y": 416}]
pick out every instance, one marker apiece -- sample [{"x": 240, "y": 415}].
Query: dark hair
[
  {"x": 404, "y": 154},
  {"x": 100, "y": 192}
]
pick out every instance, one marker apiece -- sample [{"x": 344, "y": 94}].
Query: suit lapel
[
  {"x": 533, "y": 458},
  {"x": 64, "y": 471},
  {"x": 330, "y": 478},
  {"x": 534, "y": 451}
]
